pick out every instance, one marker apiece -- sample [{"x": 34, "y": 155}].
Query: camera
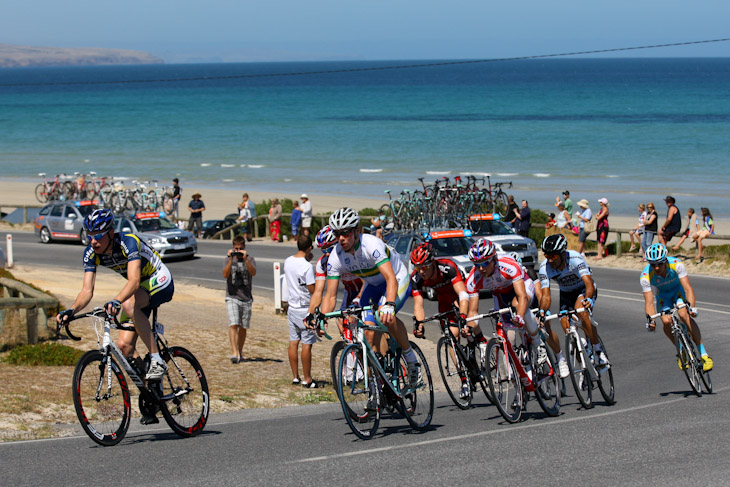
[{"x": 237, "y": 255}]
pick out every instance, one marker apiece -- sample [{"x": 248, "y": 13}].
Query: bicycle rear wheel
[
  {"x": 335, "y": 353},
  {"x": 605, "y": 378},
  {"x": 504, "y": 382},
  {"x": 689, "y": 361},
  {"x": 102, "y": 403},
  {"x": 481, "y": 365},
  {"x": 184, "y": 401},
  {"x": 579, "y": 375},
  {"x": 40, "y": 193},
  {"x": 417, "y": 403},
  {"x": 359, "y": 392},
  {"x": 453, "y": 372},
  {"x": 547, "y": 388}
]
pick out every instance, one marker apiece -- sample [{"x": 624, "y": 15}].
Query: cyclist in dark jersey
[{"x": 149, "y": 283}]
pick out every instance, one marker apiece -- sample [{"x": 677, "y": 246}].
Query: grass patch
[
  {"x": 228, "y": 399},
  {"x": 47, "y": 353}
]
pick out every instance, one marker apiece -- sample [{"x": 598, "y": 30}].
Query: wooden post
[
  {"x": 618, "y": 244},
  {"x": 31, "y": 320}
]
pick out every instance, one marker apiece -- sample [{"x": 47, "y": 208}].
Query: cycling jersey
[
  {"x": 570, "y": 278},
  {"x": 501, "y": 281},
  {"x": 155, "y": 276},
  {"x": 352, "y": 284},
  {"x": 442, "y": 282},
  {"x": 669, "y": 288}
]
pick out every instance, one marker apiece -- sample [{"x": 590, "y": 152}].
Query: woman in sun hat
[
  {"x": 602, "y": 227},
  {"x": 583, "y": 216}
]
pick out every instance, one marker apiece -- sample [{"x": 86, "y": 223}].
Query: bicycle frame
[{"x": 572, "y": 315}]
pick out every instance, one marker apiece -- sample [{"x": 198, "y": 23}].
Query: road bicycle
[
  {"x": 369, "y": 383},
  {"x": 101, "y": 394},
  {"x": 54, "y": 189},
  {"x": 585, "y": 372},
  {"x": 687, "y": 351},
  {"x": 459, "y": 364},
  {"x": 513, "y": 374}
]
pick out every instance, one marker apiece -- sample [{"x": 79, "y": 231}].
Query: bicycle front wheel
[
  {"x": 579, "y": 375},
  {"x": 417, "y": 403},
  {"x": 605, "y": 378},
  {"x": 504, "y": 381},
  {"x": 102, "y": 402},
  {"x": 453, "y": 372},
  {"x": 545, "y": 380},
  {"x": 184, "y": 399},
  {"x": 40, "y": 193},
  {"x": 688, "y": 359},
  {"x": 359, "y": 392}
]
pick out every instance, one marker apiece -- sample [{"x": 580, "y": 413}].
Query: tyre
[
  {"x": 483, "y": 371},
  {"x": 102, "y": 402},
  {"x": 337, "y": 349},
  {"x": 605, "y": 379},
  {"x": 105, "y": 195},
  {"x": 68, "y": 190},
  {"x": 689, "y": 361},
  {"x": 359, "y": 392},
  {"x": 417, "y": 403},
  {"x": 500, "y": 204},
  {"x": 185, "y": 402},
  {"x": 90, "y": 192},
  {"x": 579, "y": 375},
  {"x": 504, "y": 381},
  {"x": 547, "y": 386},
  {"x": 453, "y": 372},
  {"x": 45, "y": 235},
  {"x": 40, "y": 193}
]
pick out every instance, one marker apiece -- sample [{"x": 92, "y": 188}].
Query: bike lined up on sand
[
  {"x": 585, "y": 373},
  {"x": 369, "y": 383},
  {"x": 101, "y": 394},
  {"x": 687, "y": 351}
]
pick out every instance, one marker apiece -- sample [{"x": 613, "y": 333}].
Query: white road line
[{"x": 505, "y": 430}]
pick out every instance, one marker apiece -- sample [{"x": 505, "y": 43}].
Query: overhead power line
[{"x": 370, "y": 68}]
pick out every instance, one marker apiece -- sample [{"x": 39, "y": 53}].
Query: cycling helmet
[
  {"x": 99, "y": 221},
  {"x": 482, "y": 251},
  {"x": 656, "y": 254},
  {"x": 325, "y": 238},
  {"x": 516, "y": 257},
  {"x": 344, "y": 218},
  {"x": 555, "y": 244},
  {"x": 423, "y": 254}
]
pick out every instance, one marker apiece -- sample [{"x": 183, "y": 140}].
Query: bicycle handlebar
[
  {"x": 565, "y": 312},
  {"x": 668, "y": 311},
  {"x": 97, "y": 312},
  {"x": 491, "y": 314}
]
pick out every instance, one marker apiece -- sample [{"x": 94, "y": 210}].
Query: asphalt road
[{"x": 656, "y": 434}]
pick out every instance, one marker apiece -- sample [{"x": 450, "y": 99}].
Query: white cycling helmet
[{"x": 344, "y": 218}]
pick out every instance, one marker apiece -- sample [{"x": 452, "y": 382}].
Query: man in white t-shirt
[
  {"x": 299, "y": 276},
  {"x": 306, "y": 208}
]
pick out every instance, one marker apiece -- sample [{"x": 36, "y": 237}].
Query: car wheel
[{"x": 45, "y": 235}]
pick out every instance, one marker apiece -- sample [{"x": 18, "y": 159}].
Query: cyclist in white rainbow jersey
[
  {"x": 385, "y": 281},
  {"x": 668, "y": 276}
]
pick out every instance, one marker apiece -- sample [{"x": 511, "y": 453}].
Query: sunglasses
[
  {"x": 484, "y": 265},
  {"x": 421, "y": 267},
  {"x": 96, "y": 236},
  {"x": 345, "y": 232}
]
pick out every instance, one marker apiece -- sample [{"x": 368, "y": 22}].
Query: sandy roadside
[{"x": 196, "y": 319}]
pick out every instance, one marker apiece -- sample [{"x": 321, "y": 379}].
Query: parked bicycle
[
  {"x": 101, "y": 394},
  {"x": 687, "y": 351},
  {"x": 585, "y": 371},
  {"x": 369, "y": 383},
  {"x": 513, "y": 373},
  {"x": 54, "y": 189}
]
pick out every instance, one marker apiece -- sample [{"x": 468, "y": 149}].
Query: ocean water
[{"x": 631, "y": 130}]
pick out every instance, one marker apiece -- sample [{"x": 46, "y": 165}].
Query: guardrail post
[
  {"x": 277, "y": 287},
  {"x": 10, "y": 251},
  {"x": 25, "y": 214},
  {"x": 268, "y": 227},
  {"x": 618, "y": 244}
]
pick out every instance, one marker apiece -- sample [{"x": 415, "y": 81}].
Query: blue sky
[{"x": 277, "y": 30}]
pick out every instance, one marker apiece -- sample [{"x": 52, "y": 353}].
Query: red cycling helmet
[{"x": 423, "y": 254}]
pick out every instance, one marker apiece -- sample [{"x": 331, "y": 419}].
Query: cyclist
[
  {"x": 577, "y": 289},
  {"x": 149, "y": 284},
  {"x": 385, "y": 281},
  {"x": 446, "y": 280},
  {"x": 669, "y": 276},
  {"x": 509, "y": 284}
]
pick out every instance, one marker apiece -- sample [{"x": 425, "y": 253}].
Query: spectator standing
[
  {"x": 196, "y": 207},
  {"x": 246, "y": 216},
  {"x": 638, "y": 230},
  {"x": 176, "y": 195},
  {"x": 299, "y": 276},
  {"x": 513, "y": 212},
  {"x": 583, "y": 216},
  {"x": 238, "y": 271},
  {"x": 602, "y": 228},
  {"x": 707, "y": 228},
  {"x": 275, "y": 220},
  {"x": 673, "y": 224},
  {"x": 563, "y": 217},
  {"x": 650, "y": 228},
  {"x": 524, "y": 219},
  {"x": 691, "y": 229},
  {"x": 296, "y": 219},
  {"x": 568, "y": 205},
  {"x": 306, "y": 208}
]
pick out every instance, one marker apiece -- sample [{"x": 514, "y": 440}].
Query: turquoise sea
[{"x": 631, "y": 130}]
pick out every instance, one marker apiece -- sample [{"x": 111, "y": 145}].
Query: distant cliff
[{"x": 23, "y": 56}]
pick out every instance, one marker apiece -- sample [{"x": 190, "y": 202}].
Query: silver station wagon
[
  {"x": 63, "y": 220},
  {"x": 159, "y": 233}
]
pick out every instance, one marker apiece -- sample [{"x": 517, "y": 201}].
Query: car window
[
  {"x": 126, "y": 224},
  {"x": 45, "y": 210},
  {"x": 154, "y": 224},
  {"x": 85, "y": 210},
  {"x": 68, "y": 211},
  {"x": 57, "y": 211},
  {"x": 492, "y": 227},
  {"x": 401, "y": 245},
  {"x": 451, "y": 246}
]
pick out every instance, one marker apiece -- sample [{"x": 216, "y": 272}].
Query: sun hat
[
  {"x": 604, "y": 201},
  {"x": 196, "y": 194},
  {"x": 304, "y": 195},
  {"x": 583, "y": 203}
]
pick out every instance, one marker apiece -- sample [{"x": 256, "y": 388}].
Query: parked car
[
  {"x": 63, "y": 220},
  {"x": 159, "y": 233},
  {"x": 506, "y": 240},
  {"x": 211, "y": 227}
]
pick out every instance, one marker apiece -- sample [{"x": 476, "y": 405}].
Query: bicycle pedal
[{"x": 146, "y": 420}]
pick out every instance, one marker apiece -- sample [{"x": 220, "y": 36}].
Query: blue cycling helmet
[
  {"x": 482, "y": 251},
  {"x": 656, "y": 254},
  {"x": 99, "y": 221},
  {"x": 326, "y": 238}
]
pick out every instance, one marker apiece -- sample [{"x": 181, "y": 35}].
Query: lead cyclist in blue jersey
[
  {"x": 149, "y": 283},
  {"x": 668, "y": 276}
]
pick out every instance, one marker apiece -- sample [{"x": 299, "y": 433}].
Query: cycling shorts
[
  {"x": 160, "y": 297},
  {"x": 568, "y": 298},
  {"x": 376, "y": 293},
  {"x": 668, "y": 298}
]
